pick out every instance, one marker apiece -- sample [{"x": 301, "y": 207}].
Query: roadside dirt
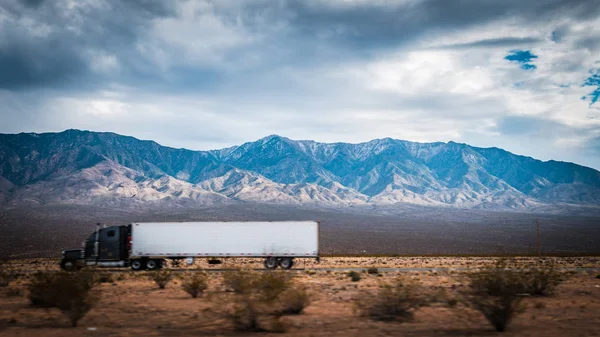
[
  {"x": 416, "y": 262},
  {"x": 133, "y": 305}
]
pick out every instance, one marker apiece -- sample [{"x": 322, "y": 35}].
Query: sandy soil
[
  {"x": 352, "y": 262},
  {"x": 133, "y": 305}
]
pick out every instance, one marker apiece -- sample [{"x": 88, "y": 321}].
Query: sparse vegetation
[
  {"x": 293, "y": 301},
  {"x": 395, "y": 302},
  {"x": 541, "y": 281},
  {"x": 373, "y": 271},
  {"x": 5, "y": 276},
  {"x": 262, "y": 298},
  {"x": 104, "y": 277},
  {"x": 269, "y": 285},
  {"x": 194, "y": 283},
  {"x": 67, "y": 291},
  {"x": 14, "y": 292},
  {"x": 239, "y": 281},
  {"x": 161, "y": 277},
  {"x": 497, "y": 294},
  {"x": 354, "y": 276},
  {"x": 452, "y": 302}
]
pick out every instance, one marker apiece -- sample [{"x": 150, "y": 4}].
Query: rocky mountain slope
[{"x": 88, "y": 167}]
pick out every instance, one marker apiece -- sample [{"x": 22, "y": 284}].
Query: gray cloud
[
  {"x": 49, "y": 44},
  {"x": 310, "y": 32},
  {"x": 205, "y": 74}
]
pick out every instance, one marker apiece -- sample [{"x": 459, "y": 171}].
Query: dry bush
[
  {"x": 67, "y": 291},
  {"x": 497, "y": 294},
  {"x": 239, "y": 281},
  {"x": 5, "y": 276},
  {"x": 354, "y": 276},
  {"x": 293, "y": 301},
  {"x": 161, "y": 277},
  {"x": 269, "y": 285},
  {"x": 541, "y": 281},
  {"x": 194, "y": 283},
  {"x": 262, "y": 298},
  {"x": 104, "y": 277},
  {"x": 393, "y": 302},
  {"x": 373, "y": 271}
]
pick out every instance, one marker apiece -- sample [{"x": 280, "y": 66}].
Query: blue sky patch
[
  {"x": 523, "y": 57},
  {"x": 592, "y": 81}
]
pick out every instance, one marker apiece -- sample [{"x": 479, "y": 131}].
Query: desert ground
[{"x": 132, "y": 304}]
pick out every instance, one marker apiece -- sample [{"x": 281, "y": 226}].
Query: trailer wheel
[
  {"x": 68, "y": 265},
  {"x": 286, "y": 262},
  {"x": 136, "y": 265},
  {"x": 270, "y": 263}
]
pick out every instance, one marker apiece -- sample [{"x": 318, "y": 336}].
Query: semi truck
[{"x": 146, "y": 245}]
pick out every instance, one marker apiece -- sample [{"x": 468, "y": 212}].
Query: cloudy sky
[{"x": 520, "y": 75}]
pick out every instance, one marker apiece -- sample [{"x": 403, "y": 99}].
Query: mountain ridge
[{"x": 276, "y": 169}]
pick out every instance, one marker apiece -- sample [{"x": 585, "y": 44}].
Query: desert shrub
[
  {"x": 269, "y": 285},
  {"x": 104, "y": 277},
  {"x": 354, "y": 276},
  {"x": 246, "y": 315},
  {"x": 239, "y": 281},
  {"x": 541, "y": 282},
  {"x": 293, "y": 301},
  {"x": 5, "y": 276},
  {"x": 262, "y": 298},
  {"x": 67, "y": 291},
  {"x": 392, "y": 302},
  {"x": 194, "y": 284},
  {"x": 161, "y": 277},
  {"x": 497, "y": 294},
  {"x": 373, "y": 271}
]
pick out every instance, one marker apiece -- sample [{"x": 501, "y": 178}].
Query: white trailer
[{"x": 144, "y": 245}]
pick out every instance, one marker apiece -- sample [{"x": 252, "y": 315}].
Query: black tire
[
  {"x": 153, "y": 264},
  {"x": 271, "y": 263},
  {"x": 286, "y": 262},
  {"x": 68, "y": 265},
  {"x": 136, "y": 265}
]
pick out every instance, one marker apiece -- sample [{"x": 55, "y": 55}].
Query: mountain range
[{"x": 83, "y": 167}]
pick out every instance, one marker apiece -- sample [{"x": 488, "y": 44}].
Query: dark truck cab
[{"x": 106, "y": 247}]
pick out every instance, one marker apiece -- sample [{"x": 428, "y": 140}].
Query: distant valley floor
[{"x": 43, "y": 231}]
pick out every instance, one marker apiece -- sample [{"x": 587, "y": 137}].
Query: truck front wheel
[
  {"x": 68, "y": 265},
  {"x": 136, "y": 265}
]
